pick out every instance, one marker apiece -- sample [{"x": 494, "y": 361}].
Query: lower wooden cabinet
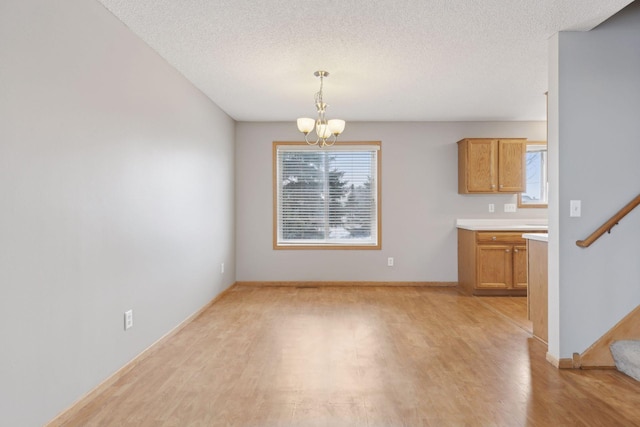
[{"x": 492, "y": 262}]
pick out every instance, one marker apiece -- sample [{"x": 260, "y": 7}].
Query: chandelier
[{"x": 327, "y": 131}]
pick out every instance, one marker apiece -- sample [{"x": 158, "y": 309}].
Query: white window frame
[
  {"x": 376, "y": 228},
  {"x": 538, "y": 146}
]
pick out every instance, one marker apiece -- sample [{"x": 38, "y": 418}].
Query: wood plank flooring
[
  {"x": 513, "y": 307},
  {"x": 360, "y": 356}
]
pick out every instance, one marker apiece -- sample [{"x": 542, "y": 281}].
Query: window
[
  {"x": 535, "y": 195},
  {"x": 326, "y": 198}
]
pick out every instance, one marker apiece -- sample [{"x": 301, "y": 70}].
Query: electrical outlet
[
  {"x": 492, "y": 207},
  {"x": 390, "y": 262},
  {"x": 222, "y": 268},
  {"x": 509, "y": 207},
  {"x": 128, "y": 319}
]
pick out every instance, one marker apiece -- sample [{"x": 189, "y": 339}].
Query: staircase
[
  {"x": 620, "y": 346},
  {"x": 626, "y": 354}
]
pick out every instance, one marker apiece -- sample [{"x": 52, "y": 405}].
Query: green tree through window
[{"x": 326, "y": 197}]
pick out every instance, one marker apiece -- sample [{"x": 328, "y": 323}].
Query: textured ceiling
[{"x": 389, "y": 60}]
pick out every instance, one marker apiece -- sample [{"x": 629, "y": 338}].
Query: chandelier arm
[
  {"x": 329, "y": 144},
  {"x": 306, "y": 139}
]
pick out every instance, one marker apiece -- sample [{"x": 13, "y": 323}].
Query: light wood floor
[
  {"x": 514, "y": 308},
  {"x": 358, "y": 357}
]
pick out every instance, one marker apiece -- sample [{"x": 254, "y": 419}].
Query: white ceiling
[{"x": 389, "y": 60}]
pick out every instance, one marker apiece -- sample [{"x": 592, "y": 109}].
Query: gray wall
[
  {"x": 116, "y": 192},
  {"x": 420, "y": 203},
  {"x": 595, "y": 136}
]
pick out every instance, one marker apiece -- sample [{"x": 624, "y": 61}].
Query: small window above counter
[{"x": 536, "y": 194}]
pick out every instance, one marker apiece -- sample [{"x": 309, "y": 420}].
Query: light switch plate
[
  {"x": 575, "y": 208},
  {"x": 128, "y": 319}
]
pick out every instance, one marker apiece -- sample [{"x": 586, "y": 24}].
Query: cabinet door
[
  {"x": 520, "y": 267},
  {"x": 481, "y": 176},
  {"x": 511, "y": 165},
  {"x": 494, "y": 267},
  {"x": 538, "y": 295}
]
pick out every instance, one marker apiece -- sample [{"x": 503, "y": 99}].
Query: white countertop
[
  {"x": 543, "y": 237},
  {"x": 503, "y": 224}
]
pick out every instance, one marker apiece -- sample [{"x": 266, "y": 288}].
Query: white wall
[
  {"x": 553, "y": 172},
  {"x": 420, "y": 203},
  {"x": 597, "y": 143},
  {"x": 116, "y": 192}
]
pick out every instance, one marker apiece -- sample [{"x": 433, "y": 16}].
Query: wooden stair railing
[{"x": 612, "y": 222}]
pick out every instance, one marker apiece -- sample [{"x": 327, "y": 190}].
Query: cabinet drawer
[{"x": 500, "y": 237}]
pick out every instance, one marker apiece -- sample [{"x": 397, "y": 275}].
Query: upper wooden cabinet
[{"x": 491, "y": 165}]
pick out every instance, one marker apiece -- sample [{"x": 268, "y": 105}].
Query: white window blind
[{"x": 327, "y": 197}]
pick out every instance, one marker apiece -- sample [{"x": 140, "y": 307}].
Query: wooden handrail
[{"x": 612, "y": 222}]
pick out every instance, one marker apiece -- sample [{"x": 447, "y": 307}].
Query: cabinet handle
[
  {"x": 515, "y": 250},
  {"x": 493, "y": 186},
  {"x": 501, "y": 185},
  {"x": 507, "y": 250},
  {"x": 494, "y": 238}
]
